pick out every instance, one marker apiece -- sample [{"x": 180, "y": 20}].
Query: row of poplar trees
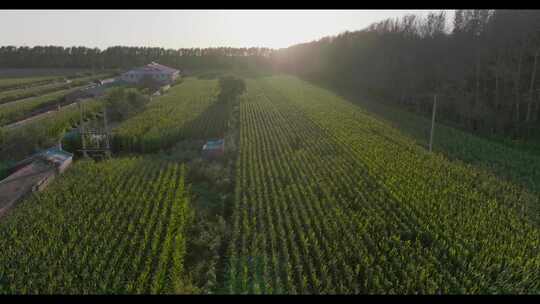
[
  {"x": 483, "y": 66},
  {"x": 123, "y": 57}
]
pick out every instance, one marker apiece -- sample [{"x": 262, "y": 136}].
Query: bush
[
  {"x": 123, "y": 103},
  {"x": 230, "y": 87}
]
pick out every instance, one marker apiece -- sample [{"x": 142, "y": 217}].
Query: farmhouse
[{"x": 158, "y": 72}]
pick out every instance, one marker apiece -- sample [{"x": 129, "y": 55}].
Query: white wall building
[{"x": 158, "y": 72}]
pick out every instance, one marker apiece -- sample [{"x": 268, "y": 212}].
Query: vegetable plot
[
  {"x": 188, "y": 110},
  {"x": 331, "y": 200},
  {"x": 111, "y": 227}
]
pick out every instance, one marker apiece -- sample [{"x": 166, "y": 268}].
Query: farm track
[
  {"x": 19, "y": 110},
  {"x": 40, "y": 115}
]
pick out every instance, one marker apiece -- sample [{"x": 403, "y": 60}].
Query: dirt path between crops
[{"x": 40, "y": 115}]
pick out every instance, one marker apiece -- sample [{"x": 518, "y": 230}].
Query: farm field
[
  {"x": 111, "y": 227},
  {"x": 21, "y": 109},
  {"x": 326, "y": 198},
  {"x": 187, "y": 110},
  {"x": 41, "y": 72},
  {"x": 9, "y": 83},
  {"x": 11, "y": 79},
  {"x": 23, "y": 140},
  {"x": 512, "y": 163},
  {"x": 16, "y": 94},
  {"x": 14, "y": 111},
  {"x": 331, "y": 200}
]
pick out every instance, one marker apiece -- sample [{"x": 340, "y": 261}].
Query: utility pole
[
  {"x": 81, "y": 130},
  {"x": 107, "y": 144},
  {"x": 432, "y": 122}
]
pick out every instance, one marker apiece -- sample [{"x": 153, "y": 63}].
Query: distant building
[{"x": 158, "y": 72}]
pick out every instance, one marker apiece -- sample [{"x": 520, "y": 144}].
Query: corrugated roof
[
  {"x": 214, "y": 144},
  {"x": 56, "y": 154}
]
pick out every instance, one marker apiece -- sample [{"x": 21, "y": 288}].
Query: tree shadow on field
[{"x": 212, "y": 123}]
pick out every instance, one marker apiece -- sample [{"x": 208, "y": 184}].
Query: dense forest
[
  {"x": 482, "y": 65},
  {"x": 128, "y": 57}
]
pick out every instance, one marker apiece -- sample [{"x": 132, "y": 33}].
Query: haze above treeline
[
  {"x": 173, "y": 29},
  {"x": 482, "y": 68}
]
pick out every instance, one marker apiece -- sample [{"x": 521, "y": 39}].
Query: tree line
[
  {"x": 128, "y": 57},
  {"x": 482, "y": 65}
]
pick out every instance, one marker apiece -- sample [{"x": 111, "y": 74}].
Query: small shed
[
  {"x": 214, "y": 148},
  {"x": 155, "y": 71}
]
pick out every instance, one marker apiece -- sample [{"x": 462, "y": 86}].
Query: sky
[{"x": 183, "y": 28}]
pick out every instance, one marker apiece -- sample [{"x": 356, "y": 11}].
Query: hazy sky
[{"x": 182, "y": 28}]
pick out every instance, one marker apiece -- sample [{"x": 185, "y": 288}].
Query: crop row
[
  {"x": 21, "y": 109},
  {"x": 19, "y": 142},
  {"x": 331, "y": 200},
  {"x": 13, "y": 83},
  {"x": 187, "y": 110},
  {"x": 111, "y": 227},
  {"x": 17, "y": 94},
  {"x": 513, "y": 164}
]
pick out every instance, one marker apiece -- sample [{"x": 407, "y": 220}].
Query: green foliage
[
  {"x": 209, "y": 75},
  {"x": 189, "y": 110},
  {"x": 116, "y": 226},
  {"x": 484, "y": 69},
  {"x": 230, "y": 88},
  {"x": 123, "y": 103},
  {"x": 330, "y": 199},
  {"x": 39, "y": 90},
  {"x": 123, "y": 57},
  {"x": 26, "y": 139},
  {"x": 12, "y": 83},
  {"x": 517, "y": 162},
  {"x": 326, "y": 198},
  {"x": 21, "y": 109},
  {"x": 14, "y": 111},
  {"x": 178, "y": 81}
]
